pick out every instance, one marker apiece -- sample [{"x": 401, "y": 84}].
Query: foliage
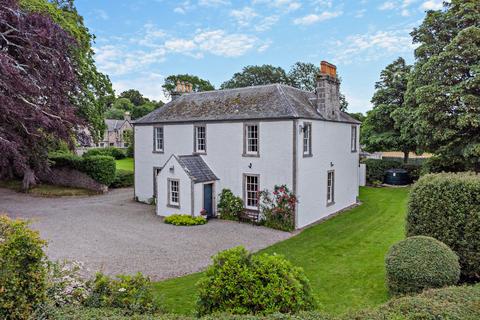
[
  {"x": 198, "y": 84},
  {"x": 437, "y": 164},
  {"x": 129, "y": 140},
  {"x": 230, "y": 207},
  {"x": 278, "y": 212},
  {"x": 22, "y": 270},
  {"x": 131, "y": 293},
  {"x": 95, "y": 89},
  {"x": 123, "y": 104},
  {"x": 376, "y": 168},
  {"x": 66, "y": 285},
  {"x": 240, "y": 283},
  {"x": 184, "y": 220},
  {"x": 100, "y": 168},
  {"x": 64, "y": 159},
  {"x": 143, "y": 110},
  {"x": 116, "y": 114},
  {"x": 442, "y": 101},
  {"x": 419, "y": 263},
  {"x": 133, "y": 96},
  {"x": 123, "y": 179},
  {"x": 446, "y": 206},
  {"x": 113, "y": 152},
  {"x": 358, "y": 116},
  {"x": 34, "y": 109},
  {"x": 380, "y": 130},
  {"x": 255, "y": 76}
]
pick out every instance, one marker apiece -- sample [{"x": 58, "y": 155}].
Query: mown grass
[
  {"x": 46, "y": 190},
  {"x": 125, "y": 164},
  {"x": 343, "y": 257}
]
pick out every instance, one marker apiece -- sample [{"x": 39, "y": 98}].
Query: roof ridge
[{"x": 282, "y": 93}]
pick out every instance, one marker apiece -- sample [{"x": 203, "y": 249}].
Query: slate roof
[
  {"x": 113, "y": 124},
  {"x": 196, "y": 168},
  {"x": 275, "y": 101}
]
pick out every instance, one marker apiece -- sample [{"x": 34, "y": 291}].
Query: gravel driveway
[{"x": 115, "y": 234}]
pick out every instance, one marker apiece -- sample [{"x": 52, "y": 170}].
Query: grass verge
[{"x": 125, "y": 164}]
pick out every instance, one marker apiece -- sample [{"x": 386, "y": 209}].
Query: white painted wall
[
  {"x": 330, "y": 144},
  {"x": 224, "y": 155}
]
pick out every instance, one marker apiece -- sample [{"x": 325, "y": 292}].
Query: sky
[{"x": 140, "y": 42}]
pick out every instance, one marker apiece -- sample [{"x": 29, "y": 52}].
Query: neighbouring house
[
  {"x": 247, "y": 140},
  {"x": 114, "y": 134}
]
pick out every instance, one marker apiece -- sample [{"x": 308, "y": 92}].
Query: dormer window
[
  {"x": 251, "y": 140},
  {"x": 200, "y": 139}
]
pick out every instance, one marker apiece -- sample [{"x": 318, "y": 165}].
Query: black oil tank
[{"x": 397, "y": 177}]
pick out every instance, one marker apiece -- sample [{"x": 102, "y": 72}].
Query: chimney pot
[{"x": 328, "y": 69}]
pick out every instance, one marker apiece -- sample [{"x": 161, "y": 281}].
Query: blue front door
[{"x": 208, "y": 199}]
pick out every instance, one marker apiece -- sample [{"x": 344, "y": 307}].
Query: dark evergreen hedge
[
  {"x": 419, "y": 263},
  {"x": 376, "y": 168},
  {"x": 116, "y": 153},
  {"x": 446, "y": 206},
  {"x": 123, "y": 179}
]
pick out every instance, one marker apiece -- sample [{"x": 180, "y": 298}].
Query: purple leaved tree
[{"x": 36, "y": 80}]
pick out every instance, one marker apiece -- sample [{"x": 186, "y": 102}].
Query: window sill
[
  {"x": 200, "y": 153},
  {"x": 251, "y": 155},
  {"x": 307, "y": 155},
  {"x": 354, "y": 151},
  {"x": 252, "y": 209},
  {"x": 329, "y": 204},
  {"x": 155, "y": 151},
  {"x": 173, "y": 206}
]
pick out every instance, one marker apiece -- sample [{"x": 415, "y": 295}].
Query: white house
[{"x": 247, "y": 140}]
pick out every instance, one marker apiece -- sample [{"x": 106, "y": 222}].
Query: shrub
[
  {"x": 131, "y": 293},
  {"x": 278, "y": 212},
  {"x": 123, "y": 179},
  {"x": 63, "y": 159},
  {"x": 22, "y": 270},
  {"x": 376, "y": 168},
  {"x": 66, "y": 285},
  {"x": 100, "y": 168},
  {"x": 437, "y": 164},
  {"x": 113, "y": 152},
  {"x": 419, "y": 263},
  {"x": 446, "y": 206},
  {"x": 241, "y": 283},
  {"x": 229, "y": 206},
  {"x": 184, "y": 220}
]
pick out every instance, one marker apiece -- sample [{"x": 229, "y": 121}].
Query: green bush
[
  {"x": 100, "y": 168},
  {"x": 446, "y": 206},
  {"x": 230, "y": 207},
  {"x": 414, "y": 171},
  {"x": 64, "y": 159},
  {"x": 22, "y": 270},
  {"x": 278, "y": 211},
  {"x": 113, "y": 152},
  {"x": 437, "y": 164},
  {"x": 66, "y": 284},
  {"x": 376, "y": 168},
  {"x": 131, "y": 293},
  {"x": 123, "y": 179},
  {"x": 241, "y": 283},
  {"x": 184, "y": 220},
  {"x": 419, "y": 263}
]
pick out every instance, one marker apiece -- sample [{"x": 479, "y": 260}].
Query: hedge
[
  {"x": 116, "y": 153},
  {"x": 446, "y": 206},
  {"x": 123, "y": 179},
  {"x": 376, "y": 168},
  {"x": 419, "y": 263}
]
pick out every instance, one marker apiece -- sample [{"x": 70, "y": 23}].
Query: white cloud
[
  {"x": 213, "y": 3},
  {"x": 266, "y": 23},
  {"x": 244, "y": 16},
  {"x": 285, "y": 5},
  {"x": 151, "y": 34},
  {"x": 314, "y": 18},
  {"x": 432, "y": 5},
  {"x": 219, "y": 43},
  {"x": 372, "y": 46},
  {"x": 360, "y": 13},
  {"x": 388, "y": 5},
  {"x": 183, "y": 7},
  {"x": 149, "y": 84}
]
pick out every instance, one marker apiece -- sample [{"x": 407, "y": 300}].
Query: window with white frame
[
  {"x": 353, "y": 138},
  {"x": 251, "y": 191},
  {"x": 307, "y": 139},
  {"x": 158, "y": 139},
  {"x": 251, "y": 139},
  {"x": 200, "y": 139},
  {"x": 331, "y": 187},
  {"x": 173, "y": 192}
]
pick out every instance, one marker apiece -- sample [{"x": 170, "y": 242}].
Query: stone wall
[{"x": 71, "y": 178}]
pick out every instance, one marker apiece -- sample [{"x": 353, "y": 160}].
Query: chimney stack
[
  {"x": 127, "y": 116},
  {"x": 328, "y": 91}
]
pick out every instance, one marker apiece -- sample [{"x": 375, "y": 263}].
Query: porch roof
[{"x": 196, "y": 168}]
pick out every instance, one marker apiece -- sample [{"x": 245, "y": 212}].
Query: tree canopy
[
  {"x": 134, "y": 96},
  {"x": 35, "y": 74},
  {"x": 198, "y": 84}
]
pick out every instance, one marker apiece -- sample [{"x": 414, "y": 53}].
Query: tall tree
[
  {"x": 442, "y": 105},
  {"x": 35, "y": 74},
  {"x": 134, "y": 96},
  {"x": 380, "y": 131},
  {"x": 304, "y": 76},
  {"x": 198, "y": 84},
  {"x": 255, "y": 76},
  {"x": 96, "y": 93}
]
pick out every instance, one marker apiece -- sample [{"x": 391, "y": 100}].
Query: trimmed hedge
[
  {"x": 446, "y": 206},
  {"x": 419, "y": 263},
  {"x": 100, "y": 168},
  {"x": 376, "y": 168},
  {"x": 123, "y": 179},
  {"x": 184, "y": 220},
  {"x": 23, "y": 284},
  {"x": 240, "y": 283},
  {"x": 116, "y": 153}
]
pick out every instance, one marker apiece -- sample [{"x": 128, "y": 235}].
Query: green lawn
[
  {"x": 125, "y": 164},
  {"x": 343, "y": 257}
]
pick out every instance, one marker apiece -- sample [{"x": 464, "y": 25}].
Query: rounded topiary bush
[
  {"x": 241, "y": 283},
  {"x": 419, "y": 263},
  {"x": 100, "y": 168}
]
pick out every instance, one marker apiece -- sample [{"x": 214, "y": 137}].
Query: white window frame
[
  {"x": 307, "y": 139},
  {"x": 200, "y": 139},
  {"x": 353, "y": 138},
  {"x": 250, "y": 196},
  {"x": 173, "y": 193},
  {"x": 158, "y": 139},
  {"x": 251, "y": 139},
  {"x": 330, "y": 187}
]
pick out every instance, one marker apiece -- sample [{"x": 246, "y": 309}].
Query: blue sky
[{"x": 139, "y": 42}]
